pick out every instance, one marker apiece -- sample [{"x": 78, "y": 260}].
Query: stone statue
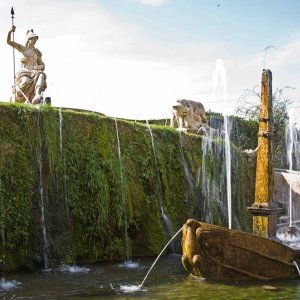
[
  {"x": 189, "y": 114},
  {"x": 30, "y": 81}
]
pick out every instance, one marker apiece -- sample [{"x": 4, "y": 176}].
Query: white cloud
[
  {"x": 153, "y": 2},
  {"x": 95, "y": 61},
  {"x": 99, "y": 62}
]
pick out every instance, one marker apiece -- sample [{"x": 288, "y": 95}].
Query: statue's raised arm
[
  {"x": 13, "y": 43},
  {"x": 30, "y": 81}
]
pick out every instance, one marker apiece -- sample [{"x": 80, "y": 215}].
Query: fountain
[
  {"x": 166, "y": 221},
  {"x": 219, "y": 78},
  {"x": 218, "y": 253},
  {"x": 290, "y": 235},
  {"x": 290, "y": 160},
  {"x": 134, "y": 288}
]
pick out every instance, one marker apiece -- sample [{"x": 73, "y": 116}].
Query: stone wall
[{"x": 66, "y": 197}]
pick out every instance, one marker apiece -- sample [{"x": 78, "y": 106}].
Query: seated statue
[
  {"x": 189, "y": 115},
  {"x": 30, "y": 81}
]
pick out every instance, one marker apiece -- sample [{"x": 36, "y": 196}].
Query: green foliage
[
  {"x": 243, "y": 132},
  {"x": 248, "y": 108},
  {"x": 100, "y": 203}
]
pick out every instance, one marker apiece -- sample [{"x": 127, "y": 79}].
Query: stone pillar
[{"x": 264, "y": 209}]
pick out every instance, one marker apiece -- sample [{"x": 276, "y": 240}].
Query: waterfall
[
  {"x": 207, "y": 189},
  {"x": 166, "y": 220},
  {"x": 60, "y": 130},
  {"x": 220, "y": 84},
  {"x": 227, "y": 128},
  {"x": 64, "y": 162},
  {"x": 186, "y": 170},
  {"x": 41, "y": 198},
  {"x": 290, "y": 160},
  {"x": 122, "y": 191},
  {"x": 292, "y": 156},
  {"x": 212, "y": 180}
]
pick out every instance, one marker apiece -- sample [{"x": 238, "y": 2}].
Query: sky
[{"x": 134, "y": 58}]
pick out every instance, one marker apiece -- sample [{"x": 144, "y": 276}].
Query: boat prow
[{"x": 219, "y": 253}]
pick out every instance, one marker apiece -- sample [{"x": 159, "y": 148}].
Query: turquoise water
[{"x": 168, "y": 280}]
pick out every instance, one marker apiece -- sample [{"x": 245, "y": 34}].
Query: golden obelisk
[{"x": 264, "y": 209}]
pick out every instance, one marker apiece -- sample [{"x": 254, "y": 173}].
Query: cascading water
[
  {"x": 166, "y": 220},
  {"x": 291, "y": 235},
  {"x": 122, "y": 192},
  {"x": 227, "y": 127},
  {"x": 220, "y": 84},
  {"x": 291, "y": 135},
  {"x": 60, "y": 130},
  {"x": 41, "y": 202},
  {"x": 212, "y": 188},
  {"x": 187, "y": 172},
  {"x": 64, "y": 162},
  {"x": 293, "y": 156}
]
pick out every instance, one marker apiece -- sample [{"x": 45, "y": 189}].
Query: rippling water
[{"x": 168, "y": 280}]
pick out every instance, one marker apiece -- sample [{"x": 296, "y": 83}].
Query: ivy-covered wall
[{"x": 80, "y": 187}]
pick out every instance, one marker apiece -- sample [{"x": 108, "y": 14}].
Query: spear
[{"x": 13, "y": 37}]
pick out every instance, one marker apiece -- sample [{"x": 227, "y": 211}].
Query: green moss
[{"x": 92, "y": 199}]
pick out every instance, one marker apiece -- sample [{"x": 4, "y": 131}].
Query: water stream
[
  {"x": 290, "y": 151},
  {"x": 166, "y": 220},
  {"x": 297, "y": 267},
  {"x": 220, "y": 87},
  {"x": 122, "y": 192},
  {"x": 133, "y": 288},
  {"x": 227, "y": 128},
  {"x": 41, "y": 198},
  {"x": 184, "y": 163},
  {"x": 64, "y": 164},
  {"x": 60, "y": 130}
]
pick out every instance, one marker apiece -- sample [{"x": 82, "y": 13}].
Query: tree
[{"x": 248, "y": 107}]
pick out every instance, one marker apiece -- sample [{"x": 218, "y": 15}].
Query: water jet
[{"x": 218, "y": 253}]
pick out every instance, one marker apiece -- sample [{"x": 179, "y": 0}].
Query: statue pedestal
[{"x": 265, "y": 217}]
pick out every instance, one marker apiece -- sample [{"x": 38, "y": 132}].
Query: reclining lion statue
[{"x": 189, "y": 115}]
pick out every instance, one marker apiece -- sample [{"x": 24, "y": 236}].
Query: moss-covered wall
[{"x": 96, "y": 206}]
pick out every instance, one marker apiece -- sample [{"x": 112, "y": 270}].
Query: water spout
[
  {"x": 297, "y": 267},
  {"x": 159, "y": 255},
  {"x": 220, "y": 86}
]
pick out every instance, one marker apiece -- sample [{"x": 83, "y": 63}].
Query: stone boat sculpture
[{"x": 219, "y": 253}]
